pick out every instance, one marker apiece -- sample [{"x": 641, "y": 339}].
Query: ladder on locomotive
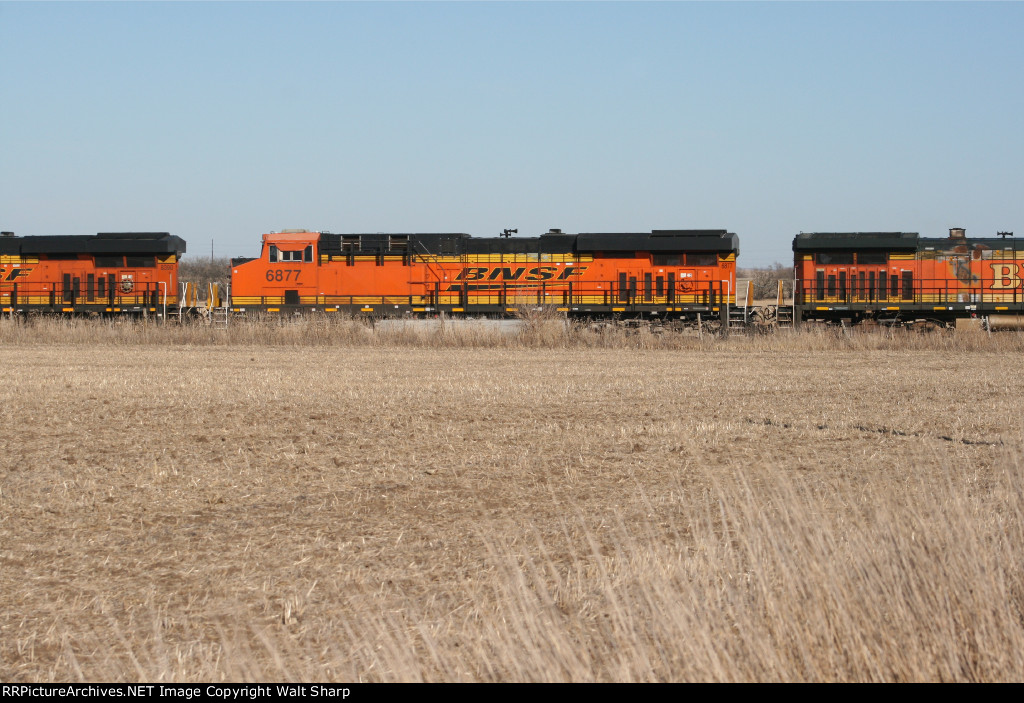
[
  {"x": 218, "y": 307},
  {"x": 188, "y": 301},
  {"x": 783, "y": 312},
  {"x": 739, "y": 314}
]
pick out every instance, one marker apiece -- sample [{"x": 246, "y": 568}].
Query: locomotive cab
[{"x": 285, "y": 273}]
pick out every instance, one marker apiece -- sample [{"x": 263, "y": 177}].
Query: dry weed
[{"x": 532, "y": 330}]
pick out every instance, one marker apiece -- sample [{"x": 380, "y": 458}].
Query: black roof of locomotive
[
  {"x": 823, "y": 241},
  {"x": 945, "y": 243},
  {"x": 892, "y": 241},
  {"x": 457, "y": 243},
  {"x": 663, "y": 240},
  {"x": 103, "y": 243}
]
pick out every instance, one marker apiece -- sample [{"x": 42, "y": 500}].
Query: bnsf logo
[
  {"x": 15, "y": 274},
  {"x": 1006, "y": 276},
  {"x": 507, "y": 273}
]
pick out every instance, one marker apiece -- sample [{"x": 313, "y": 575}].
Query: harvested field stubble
[
  {"x": 742, "y": 509},
  {"x": 535, "y": 331}
]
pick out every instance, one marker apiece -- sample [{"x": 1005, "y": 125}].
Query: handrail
[
  {"x": 914, "y": 291},
  {"x": 596, "y": 294}
]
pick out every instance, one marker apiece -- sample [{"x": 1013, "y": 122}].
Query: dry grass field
[{"x": 332, "y": 502}]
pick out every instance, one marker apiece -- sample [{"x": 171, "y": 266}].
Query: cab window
[{"x": 298, "y": 254}]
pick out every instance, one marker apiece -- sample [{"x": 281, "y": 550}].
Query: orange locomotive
[
  {"x": 902, "y": 277},
  {"x": 108, "y": 273},
  {"x": 666, "y": 273}
]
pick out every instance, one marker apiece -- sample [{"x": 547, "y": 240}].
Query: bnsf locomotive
[
  {"x": 887, "y": 277},
  {"x": 899, "y": 276},
  {"x": 667, "y": 273},
  {"x": 107, "y": 274}
]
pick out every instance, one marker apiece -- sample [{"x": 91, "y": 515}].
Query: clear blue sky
[{"x": 226, "y": 120}]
